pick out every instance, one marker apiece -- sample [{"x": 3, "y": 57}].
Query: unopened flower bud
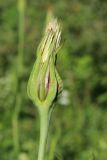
[{"x": 45, "y": 83}]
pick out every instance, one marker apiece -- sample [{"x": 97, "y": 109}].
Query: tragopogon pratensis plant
[{"x": 44, "y": 83}]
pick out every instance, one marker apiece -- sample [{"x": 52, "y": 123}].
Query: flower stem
[
  {"x": 21, "y": 10},
  {"x": 16, "y": 128},
  {"x": 18, "y": 70},
  {"x": 44, "y": 125}
]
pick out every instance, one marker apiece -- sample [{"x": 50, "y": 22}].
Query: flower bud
[{"x": 45, "y": 83}]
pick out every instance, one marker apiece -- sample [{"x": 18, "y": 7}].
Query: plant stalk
[
  {"x": 44, "y": 125},
  {"x": 15, "y": 127},
  {"x": 21, "y": 9},
  {"x": 18, "y": 70}
]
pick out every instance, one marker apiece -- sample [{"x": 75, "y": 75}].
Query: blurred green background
[{"x": 78, "y": 128}]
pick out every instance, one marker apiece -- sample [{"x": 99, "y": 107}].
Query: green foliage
[{"x": 78, "y": 129}]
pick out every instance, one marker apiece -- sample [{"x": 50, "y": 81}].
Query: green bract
[{"x": 45, "y": 83}]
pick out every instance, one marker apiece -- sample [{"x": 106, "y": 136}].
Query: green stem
[
  {"x": 21, "y": 9},
  {"x": 44, "y": 125},
  {"x": 18, "y": 69},
  {"x": 53, "y": 147},
  {"x": 15, "y": 127}
]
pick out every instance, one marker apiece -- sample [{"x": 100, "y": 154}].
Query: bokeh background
[{"x": 78, "y": 129}]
